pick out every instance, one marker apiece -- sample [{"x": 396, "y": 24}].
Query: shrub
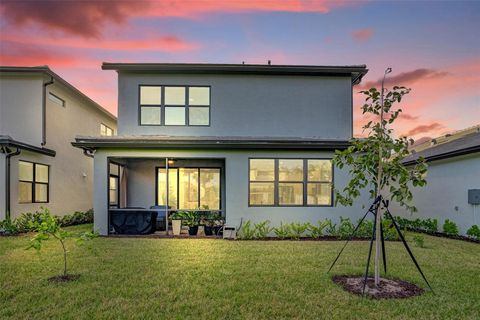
[
  {"x": 389, "y": 231},
  {"x": 345, "y": 228},
  {"x": 419, "y": 240},
  {"x": 474, "y": 232},
  {"x": 298, "y": 229},
  {"x": 8, "y": 228},
  {"x": 331, "y": 228},
  {"x": 316, "y": 231},
  {"x": 76, "y": 218},
  {"x": 262, "y": 229},
  {"x": 450, "y": 228},
  {"x": 247, "y": 232},
  {"x": 365, "y": 229},
  {"x": 282, "y": 231},
  {"x": 24, "y": 221}
]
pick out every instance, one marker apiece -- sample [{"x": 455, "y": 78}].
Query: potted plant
[
  {"x": 190, "y": 219},
  {"x": 209, "y": 223},
  {"x": 176, "y": 218},
  {"x": 218, "y": 224}
]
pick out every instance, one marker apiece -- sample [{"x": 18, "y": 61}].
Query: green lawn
[{"x": 212, "y": 279}]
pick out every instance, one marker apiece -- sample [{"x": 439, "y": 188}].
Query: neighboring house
[
  {"x": 40, "y": 114},
  {"x": 254, "y": 141},
  {"x": 453, "y": 169}
]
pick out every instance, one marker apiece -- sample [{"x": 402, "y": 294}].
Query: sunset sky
[{"x": 433, "y": 47}]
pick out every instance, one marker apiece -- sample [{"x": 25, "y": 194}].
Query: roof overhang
[
  {"x": 8, "y": 142},
  {"x": 446, "y": 155},
  {"x": 356, "y": 72},
  {"x": 148, "y": 142}
]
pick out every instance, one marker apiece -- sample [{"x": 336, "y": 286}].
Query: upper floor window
[
  {"x": 56, "y": 99},
  {"x": 174, "y": 105},
  {"x": 290, "y": 182},
  {"x": 33, "y": 182},
  {"x": 105, "y": 130}
]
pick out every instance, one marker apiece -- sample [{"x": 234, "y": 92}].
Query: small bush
[
  {"x": 450, "y": 228},
  {"x": 297, "y": 230},
  {"x": 262, "y": 229},
  {"x": 474, "y": 232},
  {"x": 316, "y": 231},
  {"x": 365, "y": 229},
  {"x": 419, "y": 240},
  {"x": 247, "y": 232},
  {"x": 389, "y": 231},
  {"x": 345, "y": 229},
  {"x": 8, "y": 228},
  {"x": 331, "y": 228},
  {"x": 282, "y": 231}
]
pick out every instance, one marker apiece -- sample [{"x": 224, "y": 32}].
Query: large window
[
  {"x": 105, "y": 130},
  {"x": 33, "y": 182},
  {"x": 290, "y": 182},
  {"x": 174, "y": 105},
  {"x": 189, "y": 188}
]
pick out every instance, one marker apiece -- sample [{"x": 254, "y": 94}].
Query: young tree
[
  {"x": 375, "y": 162},
  {"x": 46, "y": 227}
]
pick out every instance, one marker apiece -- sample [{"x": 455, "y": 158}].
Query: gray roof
[
  {"x": 356, "y": 72},
  {"x": 8, "y": 142},
  {"x": 163, "y": 141},
  {"x": 469, "y": 143},
  {"x": 46, "y": 70}
]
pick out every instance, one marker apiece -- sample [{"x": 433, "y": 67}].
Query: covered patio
[{"x": 138, "y": 200}]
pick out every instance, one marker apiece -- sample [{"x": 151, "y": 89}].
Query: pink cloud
[
  {"x": 362, "y": 35},
  {"x": 431, "y": 128},
  {"x": 88, "y": 18}
]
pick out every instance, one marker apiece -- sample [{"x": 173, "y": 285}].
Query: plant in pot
[
  {"x": 218, "y": 224},
  {"x": 209, "y": 222},
  {"x": 190, "y": 219},
  {"x": 176, "y": 218}
]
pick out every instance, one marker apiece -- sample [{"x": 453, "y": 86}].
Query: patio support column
[{"x": 166, "y": 195}]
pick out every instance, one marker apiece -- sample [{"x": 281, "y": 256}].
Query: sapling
[
  {"x": 46, "y": 227},
  {"x": 375, "y": 162}
]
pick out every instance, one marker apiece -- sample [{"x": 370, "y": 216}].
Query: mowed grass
[{"x": 132, "y": 278}]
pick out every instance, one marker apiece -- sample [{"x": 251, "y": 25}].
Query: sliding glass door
[{"x": 189, "y": 188}]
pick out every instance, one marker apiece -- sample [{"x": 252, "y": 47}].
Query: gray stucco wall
[
  {"x": 71, "y": 172},
  {"x": 251, "y": 105},
  {"x": 2, "y": 186},
  {"x": 21, "y": 107},
  {"x": 448, "y": 182},
  {"x": 236, "y": 185}
]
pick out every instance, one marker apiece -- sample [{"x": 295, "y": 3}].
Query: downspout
[
  {"x": 8, "y": 155},
  {"x": 44, "y": 110}
]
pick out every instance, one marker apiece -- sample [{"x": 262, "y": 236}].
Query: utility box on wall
[{"x": 474, "y": 196}]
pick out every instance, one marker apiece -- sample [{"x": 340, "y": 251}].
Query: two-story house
[
  {"x": 254, "y": 141},
  {"x": 40, "y": 114}
]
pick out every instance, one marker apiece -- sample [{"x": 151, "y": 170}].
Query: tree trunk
[{"x": 64, "y": 258}]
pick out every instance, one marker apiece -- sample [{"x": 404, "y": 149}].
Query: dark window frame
[
  {"x": 33, "y": 183},
  {"x": 117, "y": 177},
  {"x": 157, "y": 191},
  {"x": 305, "y": 182},
  {"x": 162, "y": 106}
]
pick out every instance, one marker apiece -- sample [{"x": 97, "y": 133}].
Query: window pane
[
  {"x": 174, "y": 116},
  {"x": 262, "y": 193},
  {"x": 150, "y": 95},
  {"x": 319, "y": 170},
  {"x": 319, "y": 194},
  {"x": 113, "y": 196},
  {"x": 41, "y": 192},
  {"x": 25, "y": 192},
  {"x": 262, "y": 169},
  {"x": 175, "y": 96},
  {"x": 150, "y": 115},
  {"x": 114, "y": 169},
  {"x": 290, "y": 193},
  {"x": 172, "y": 187},
  {"x": 199, "y": 116},
  {"x": 109, "y": 131},
  {"x": 188, "y": 188},
  {"x": 210, "y": 188},
  {"x": 198, "y": 96},
  {"x": 56, "y": 99},
  {"x": 103, "y": 130},
  {"x": 41, "y": 173},
  {"x": 25, "y": 171},
  {"x": 113, "y": 183},
  {"x": 290, "y": 170}
]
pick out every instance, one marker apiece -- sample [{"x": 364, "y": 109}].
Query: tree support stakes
[{"x": 374, "y": 210}]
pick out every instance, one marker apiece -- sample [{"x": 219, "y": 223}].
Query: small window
[
  {"x": 174, "y": 105},
  {"x": 56, "y": 99},
  {"x": 290, "y": 182},
  {"x": 33, "y": 182},
  {"x": 105, "y": 130},
  {"x": 113, "y": 185}
]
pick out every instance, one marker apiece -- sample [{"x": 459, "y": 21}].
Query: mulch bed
[
  {"x": 387, "y": 289},
  {"x": 64, "y": 278}
]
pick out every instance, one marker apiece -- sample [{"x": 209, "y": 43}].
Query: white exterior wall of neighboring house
[
  {"x": 446, "y": 193},
  {"x": 141, "y": 186},
  {"x": 71, "y": 172}
]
